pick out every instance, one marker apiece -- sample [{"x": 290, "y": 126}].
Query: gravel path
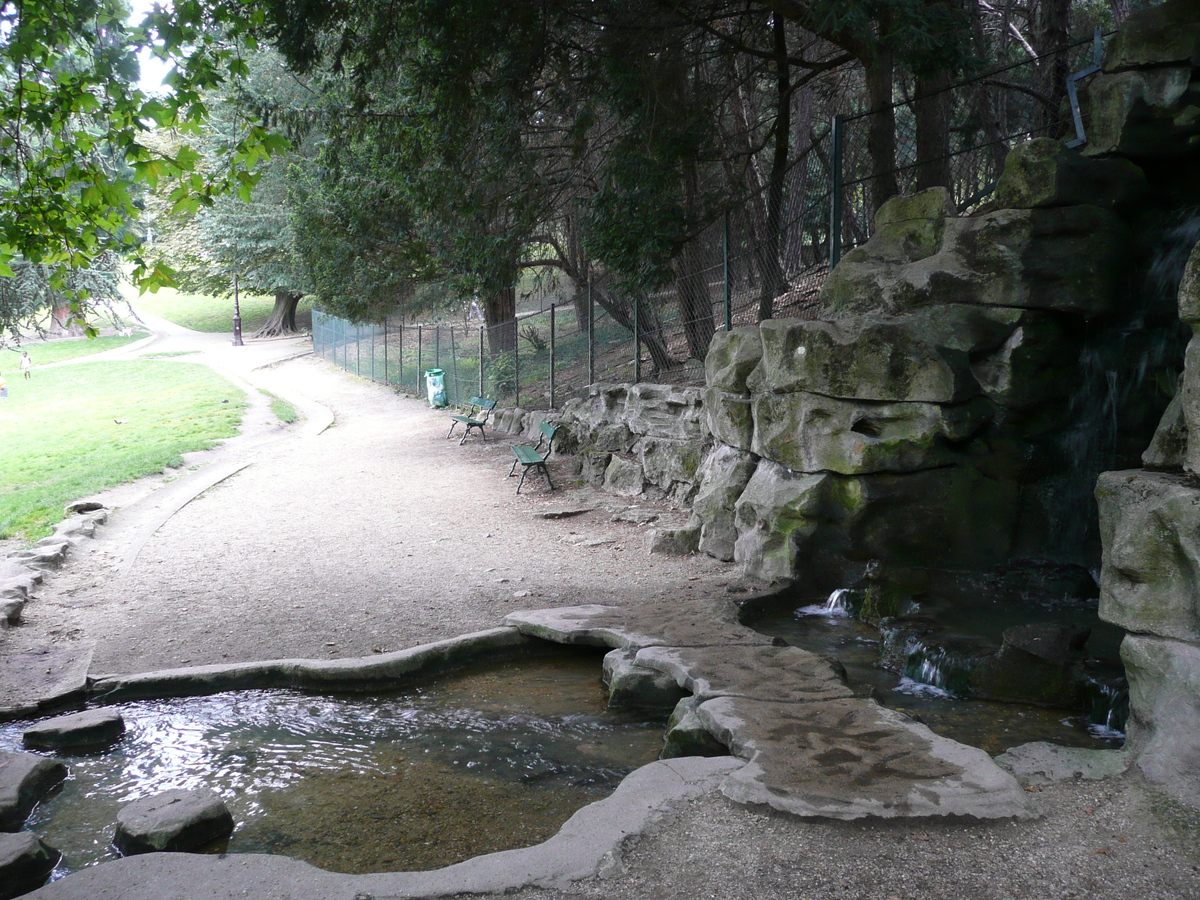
[{"x": 376, "y": 534}]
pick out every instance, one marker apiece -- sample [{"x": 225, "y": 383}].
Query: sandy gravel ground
[{"x": 378, "y": 534}]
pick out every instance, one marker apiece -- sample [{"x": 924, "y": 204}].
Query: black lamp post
[{"x": 237, "y": 315}]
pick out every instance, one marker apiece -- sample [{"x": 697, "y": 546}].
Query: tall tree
[{"x": 73, "y": 159}]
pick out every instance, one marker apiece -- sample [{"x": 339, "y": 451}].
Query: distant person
[
  {"x": 3, "y": 388},
  {"x": 26, "y": 364}
]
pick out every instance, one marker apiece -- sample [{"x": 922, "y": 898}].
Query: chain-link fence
[
  {"x": 768, "y": 257},
  {"x": 958, "y": 137}
]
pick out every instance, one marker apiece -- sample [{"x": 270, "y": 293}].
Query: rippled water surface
[{"x": 482, "y": 761}]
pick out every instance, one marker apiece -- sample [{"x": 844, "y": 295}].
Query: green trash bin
[{"x": 435, "y": 387}]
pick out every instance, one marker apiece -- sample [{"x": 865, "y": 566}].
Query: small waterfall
[
  {"x": 937, "y": 667},
  {"x": 1127, "y": 369},
  {"x": 1106, "y": 707},
  {"x": 840, "y": 605}
]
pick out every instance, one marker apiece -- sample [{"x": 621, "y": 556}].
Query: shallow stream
[
  {"x": 489, "y": 759},
  {"x": 971, "y": 624}
]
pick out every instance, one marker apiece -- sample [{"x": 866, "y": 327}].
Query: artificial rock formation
[
  {"x": 1150, "y": 579},
  {"x": 640, "y": 440},
  {"x": 920, "y": 421}
]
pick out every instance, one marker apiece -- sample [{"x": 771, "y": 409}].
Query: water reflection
[{"x": 479, "y": 762}]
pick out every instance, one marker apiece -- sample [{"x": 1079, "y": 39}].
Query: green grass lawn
[
  {"x": 75, "y": 430},
  {"x": 45, "y": 352},
  {"x": 211, "y": 314}
]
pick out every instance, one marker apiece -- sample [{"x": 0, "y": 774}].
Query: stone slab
[
  {"x": 687, "y": 624},
  {"x": 1040, "y": 762},
  {"x": 17, "y": 579},
  {"x": 24, "y": 780},
  {"x": 379, "y": 670},
  {"x": 42, "y": 678},
  {"x": 846, "y": 759},
  {"x": 785, "y": 674},
  {"x": 174, "y": 820},
  {"x": 91, "y": 728},
  {"x": 25, "y": 863}
]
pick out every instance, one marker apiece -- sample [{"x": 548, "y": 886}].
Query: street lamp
[{"x": 237, "y": 315}]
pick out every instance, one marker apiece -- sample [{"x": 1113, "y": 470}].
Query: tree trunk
[
  {"x": 774, "y": 283},
  {"x": 283, "y": 316},
  {"x": 932, "y": 112},
  {"x": 1053, "y": 24},
  {"x": 500, "y": 315},
  {"x": 691, "y": 279},
  {"x": 580, "y": 266},
  {"x": 881, "y": 131}
]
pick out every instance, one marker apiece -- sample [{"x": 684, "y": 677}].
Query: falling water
[
  {"x": 1127, "y": 370},
  {"x": 839, "y": 605},
  {"x": 1106, "y": 706}
]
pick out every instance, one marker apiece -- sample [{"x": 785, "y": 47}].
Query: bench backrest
[
  {"x": 548, "y": 433},
  {"x": 482, "y": 402}
]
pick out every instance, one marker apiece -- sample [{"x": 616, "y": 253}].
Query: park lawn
[
  {"x": 74, "y": 430},
  {"x": 213, "y": 315},
  {"x": 45, "y": 352}
]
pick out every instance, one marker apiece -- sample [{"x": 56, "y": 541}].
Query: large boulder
[
  {"x": 730, "y": 417},
  {"x": 1037, "y": 663},
  {"x": 723, "y": 477},
  {"x": 732, "y": 356},
  {"x": 1143, "y": 105},
  {"x": 1189, "y": 385},
  {"x": 177, "y": 820},
  {"x": 826, "y": 527},
  {"x": 812, "y": 432},
  {"x": 1150, "y": 577},
  {"x": 665, "y": 411},
  {"x": 1065, "y": 258},
  {"x": 910, "y": 228},
  {"x": 863, "y": 358},
  {"x": 1042, "y": 172},
  {"x": 1164, "y": 712}
]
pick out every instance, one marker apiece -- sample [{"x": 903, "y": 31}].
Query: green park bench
[
  {"x": 475, "y": 415},
  {"x": 529, "y": 457}
]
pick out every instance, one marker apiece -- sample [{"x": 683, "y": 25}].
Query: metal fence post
[
  {"x": 591, "y": 334},
  {"x": 373, "y": 351},
  {"x": 387, "y": 379},
  {"x": 417, "y": 375},
  {"x": 637, "y": 340},
  {"x": 725, "y": 275},
  {"x": 552, "y": 355},
  {"x": 835, "y": 192},
  {"x": 516, "y": 365}
]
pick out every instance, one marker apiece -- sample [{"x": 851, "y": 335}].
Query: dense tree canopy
[
  {"x": 73, "y": 122},
  {"x": 459, "y": 143}
]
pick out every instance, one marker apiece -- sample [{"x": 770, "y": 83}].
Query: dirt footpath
[
  {"x": 374, "y": 535},
  {"x": 377, "y": 534}
]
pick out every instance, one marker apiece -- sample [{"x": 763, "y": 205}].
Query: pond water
[
  {"x": 969, "y": 622},
  {"x": 483, "y": 760}
]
